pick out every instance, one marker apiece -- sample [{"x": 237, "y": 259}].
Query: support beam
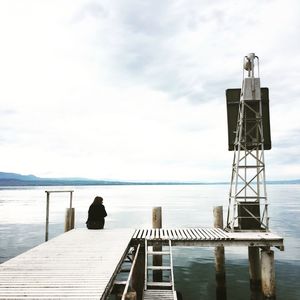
[
  {"x": 157, "y": 259},
  {"x": 268, "y": 274},
  {"x": 219, "y": 257},
  {"x": 47, "y": 217},
  {"x": 138, "y": 275},
  {"x": 254, "y": 268}
]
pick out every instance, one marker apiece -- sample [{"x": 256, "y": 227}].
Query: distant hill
[
  {"x": 15, "y": 176},
  {"x": 14, "y": 179}
]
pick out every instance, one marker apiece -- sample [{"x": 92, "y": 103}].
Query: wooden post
[
  {"x": 156, "y": 217},
  {"x": 254, "y": 268},
  {"x": 138, "y": 275},
  {"x": 268, "y": 274},
  {"x": 157, "y": 259},
  {"x": 71, "y": 198},
  {"x": 47, "y": 217},
  {"x": 69, "y": 219},
  {"x": 219, "y": 257}
]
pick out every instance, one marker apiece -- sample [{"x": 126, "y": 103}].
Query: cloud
[{"x": 136, "y": 90}]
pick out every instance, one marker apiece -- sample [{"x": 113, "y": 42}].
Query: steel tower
[{"x": 248, "y": 205}]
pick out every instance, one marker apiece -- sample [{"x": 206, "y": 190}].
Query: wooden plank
[
  {"x": 156, "y": 233},
  {"x": 221, "y": 233},
  {"x": 253, "y": 235},
  {"x": 209, "y": 233},
  {"x": 80, "y": 264},
  {"x": 160, "y": 295},
  {"x": 203, "y": 234},
  {"x": 190, "y": 235},
  {"x": 179, "y": 236},
  {"x": 169, "y": 234},
  {"x": 142, "y": 234},
  {"x": 196, "y": 234},
  {"x": 136, "y": 232},
  {"x": 183, "y": 234}
]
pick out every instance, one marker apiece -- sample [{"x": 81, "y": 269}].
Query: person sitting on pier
[{"x": 96, "y": 215}]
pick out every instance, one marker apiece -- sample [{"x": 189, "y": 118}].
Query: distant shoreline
[
  {"x": 92, "y": 183},
  {"x": 14, "y": 179},
  {"x": 20, "y": 183}
]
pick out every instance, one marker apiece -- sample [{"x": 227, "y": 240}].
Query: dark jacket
[{"x": 96, "y": 216}]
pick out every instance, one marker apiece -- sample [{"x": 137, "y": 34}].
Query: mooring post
[
  {"x": 156, "y": 217},
  {"x": 219, "y": 257},
  {"x": 157, "y": 259},
  {"x": 254, "y": 268},
  {"x": 268, "y": 274},
  {"x": 70, "y": 215},
  {"x": 69, "y": 219}
]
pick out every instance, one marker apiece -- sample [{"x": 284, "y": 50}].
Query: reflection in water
[
  {"x": 221, "y": 291},
  {"x": 196, "y": 280},
  {"x": 22, "y": 226}
]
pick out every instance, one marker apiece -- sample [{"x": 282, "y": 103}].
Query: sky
[{"x": 135, "y": 90}]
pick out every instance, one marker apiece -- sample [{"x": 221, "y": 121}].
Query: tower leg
[
  {"x": 254, "y": 268},
  {"x": 268, "y": 274}
]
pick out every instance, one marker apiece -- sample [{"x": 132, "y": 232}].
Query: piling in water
[
  {"x": 254, "y": 268},
  {"x": 157, "y": 259},
  {"x": 219, "y": 257},
  {"x": 268, "y": 274}
]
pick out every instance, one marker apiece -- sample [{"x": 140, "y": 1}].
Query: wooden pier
[
  {"x": 210, "y": 237},
  {"x": 79, "y": 264},
  {"x": 83, "y": 264}
]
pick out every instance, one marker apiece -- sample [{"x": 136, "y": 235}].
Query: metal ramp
[{"x": 162, "y": 289}]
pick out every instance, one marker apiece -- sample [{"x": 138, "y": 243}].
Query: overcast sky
[{"x": 135, "y": 90}]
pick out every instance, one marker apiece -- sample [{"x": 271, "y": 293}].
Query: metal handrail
[
  {"x": 171, "y": 264},
  {"x": 130, "y": 273}
]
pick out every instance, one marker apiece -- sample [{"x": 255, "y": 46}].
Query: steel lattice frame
[{"x": 248, "y": 184}]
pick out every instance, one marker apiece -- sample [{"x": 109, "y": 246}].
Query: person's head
[{"x": 98, "y": 200}]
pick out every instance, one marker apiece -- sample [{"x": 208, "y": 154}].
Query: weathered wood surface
[
  {"x": 80, "y": 264},
  {"x": 209, "y": 237},
  {"x": 160, "y": 295}
]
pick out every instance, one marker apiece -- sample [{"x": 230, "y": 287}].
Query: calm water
[{"x": 22, "y": 221}]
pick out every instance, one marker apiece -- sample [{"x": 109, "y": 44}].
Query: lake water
[{"x": 22, "y": 226}]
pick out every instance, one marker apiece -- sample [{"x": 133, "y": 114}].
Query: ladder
[{"x": 159, "y": 289}]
